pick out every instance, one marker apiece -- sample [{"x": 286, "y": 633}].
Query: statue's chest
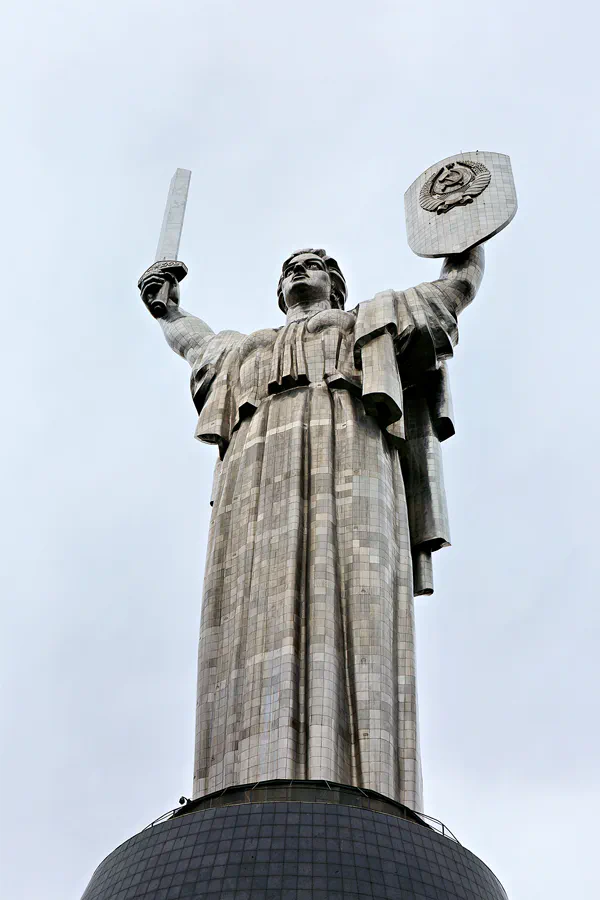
[{"x": 300, "y": 353}]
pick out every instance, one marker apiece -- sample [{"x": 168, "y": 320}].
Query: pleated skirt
[{"x": 306, "y": 656}]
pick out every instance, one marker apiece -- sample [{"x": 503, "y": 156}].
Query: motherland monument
[{"x": 327, "y": 505}]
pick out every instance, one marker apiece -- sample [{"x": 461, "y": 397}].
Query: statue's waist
[{"x": 333, "y": 380}]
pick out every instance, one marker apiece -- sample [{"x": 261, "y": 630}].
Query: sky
[{"x": 303, "y": 126}]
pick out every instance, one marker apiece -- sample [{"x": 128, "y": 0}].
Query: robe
[{"x": 327, "y": 503}]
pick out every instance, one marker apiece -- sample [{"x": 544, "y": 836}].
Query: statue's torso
[{"x": 305, "y": 352}]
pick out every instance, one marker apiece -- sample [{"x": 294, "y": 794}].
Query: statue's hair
[{"x": 338, "y": 282}]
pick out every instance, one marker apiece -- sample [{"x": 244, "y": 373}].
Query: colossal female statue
[{"x": 327, "y": 504}]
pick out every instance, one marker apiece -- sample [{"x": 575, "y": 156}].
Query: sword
[{"x": 167, "y": 265}]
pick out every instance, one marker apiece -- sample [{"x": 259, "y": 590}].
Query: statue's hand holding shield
[{"x": 459, "y": 203}]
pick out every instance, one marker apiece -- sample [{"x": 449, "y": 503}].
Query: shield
[{"x": 459, "y": 203}]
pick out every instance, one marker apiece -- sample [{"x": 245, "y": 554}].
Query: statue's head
[{"x": 308, "y": 276}]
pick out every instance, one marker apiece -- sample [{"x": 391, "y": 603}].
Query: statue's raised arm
[
  {"x": 212, "y": 356},
  {"x": 186, "y": 334},
  {"x": 462, "y": 274}
]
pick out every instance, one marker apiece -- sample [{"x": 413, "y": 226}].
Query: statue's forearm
[
  {"x": 185, "y": 333},
  {"x": 464, "y": 272}
]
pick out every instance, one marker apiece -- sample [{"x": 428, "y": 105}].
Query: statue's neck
[{"x": 303, "y": 311}]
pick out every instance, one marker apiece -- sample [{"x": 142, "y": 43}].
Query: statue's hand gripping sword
[{"x": 167, "y": 265}]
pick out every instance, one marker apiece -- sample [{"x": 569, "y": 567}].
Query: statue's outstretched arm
[
  {"x": 185, "y": 334},
  {"x": 463, "y": 273}
]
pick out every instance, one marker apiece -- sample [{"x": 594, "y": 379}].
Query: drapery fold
[
  {"x": 306, "y": 658},
  {"x": 391, "y": 350}
]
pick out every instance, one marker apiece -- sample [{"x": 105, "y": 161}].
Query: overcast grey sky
[{"x": 303, "y": 125}]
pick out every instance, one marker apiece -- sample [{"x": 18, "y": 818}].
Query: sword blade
[{"x": 172, "y": 226}]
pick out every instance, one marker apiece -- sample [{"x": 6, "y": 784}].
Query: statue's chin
[{"x": 302, "y": 294}]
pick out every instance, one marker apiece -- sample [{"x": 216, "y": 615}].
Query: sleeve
[
  {"x": 431, "y": 311},
  {"x": 410, "y": 382},
  {"x": 215, "y": 386},
  {"x": 430, "y": 333},
  {"x": 214, "y": 380}
]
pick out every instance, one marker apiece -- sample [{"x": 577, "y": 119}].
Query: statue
[{"x": 327, "y": 504}]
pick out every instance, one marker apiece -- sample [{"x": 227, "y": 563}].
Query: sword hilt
[{"x": 172, "y": 270}]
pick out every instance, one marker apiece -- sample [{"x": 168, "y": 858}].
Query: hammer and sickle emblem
[
  {"x": 451, "y": 179},
  {"x": 456, "y": 184}
]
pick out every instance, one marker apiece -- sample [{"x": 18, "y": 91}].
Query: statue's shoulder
[
  {"x": 377, "y": 314},
  {"x": 264, "y": 337}
]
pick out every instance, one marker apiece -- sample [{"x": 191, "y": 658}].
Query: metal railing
[{"x": 286, "y": 790}]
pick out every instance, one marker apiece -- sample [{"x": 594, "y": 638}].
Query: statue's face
[{"x": 305, "y": 280}]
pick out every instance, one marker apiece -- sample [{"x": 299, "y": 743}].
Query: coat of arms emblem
[
  {"x": 455, "y": 184},
  {"x": 441, "y": 217}
]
